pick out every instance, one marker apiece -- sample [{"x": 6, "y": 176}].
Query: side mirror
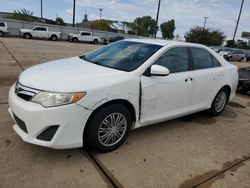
[{"x": 158, "y": 70}]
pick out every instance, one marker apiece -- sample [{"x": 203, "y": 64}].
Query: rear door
[
  {"x": 208, "y": 77},
  {"x": 166, "y": 97}
]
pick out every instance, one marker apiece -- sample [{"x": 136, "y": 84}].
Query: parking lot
[{"x": 194, "y": 151}]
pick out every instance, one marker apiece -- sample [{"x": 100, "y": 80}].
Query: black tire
[
  {"x": 27, "y": 36},
  {"x": 213, "y": 111},
  {"x": 75, "y": 39},
  {"x": 53, "y": 38},
  {"x": 91, "y": 137},
  {"x": 1, "y": 34},
  {"x": 95, "y": 41}
]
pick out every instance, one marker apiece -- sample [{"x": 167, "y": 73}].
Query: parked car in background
[
  {"x": 216, "y": 49},
  {"x": 3, "y": 28},
  {"x": 84, "y": 36},
  {"x": 238, "y": 55},
  {"x": 97, "y": 98},
  {"x": 39, "y": 32},
  {"x": 248, "y": 57},
  {"x": 226, "y": 53},
  {"x": 116, "y": 38},
  {"x": 244, "y": 80}
]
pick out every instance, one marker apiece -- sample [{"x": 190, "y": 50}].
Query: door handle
[{"x": 189, "y": 78}]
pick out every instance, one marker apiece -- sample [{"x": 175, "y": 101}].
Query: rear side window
[
  {"x": 2, "y": 24},
  {"x": 216, "y": 62},
  {"x": 202, "y": 59},
  {"x": 176, "y": 60}
]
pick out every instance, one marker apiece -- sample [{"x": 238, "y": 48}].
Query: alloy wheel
[
  {"x": 220, "y": 101},
  {"x": 112, "y": 129}
]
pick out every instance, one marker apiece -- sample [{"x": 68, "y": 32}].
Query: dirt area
[{"x": 194, "y": 151}]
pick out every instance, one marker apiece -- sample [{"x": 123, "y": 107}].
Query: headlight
[{"x": 50, "y": 99}]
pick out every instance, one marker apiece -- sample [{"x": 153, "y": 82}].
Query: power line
[{"x": 236, "y": 27}]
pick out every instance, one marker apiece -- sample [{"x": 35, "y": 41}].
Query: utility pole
[
  {"x": 74, "y": 9},
  {"x": 157, "y": 16},
  {"x": 205, "y": 22},
  {"x": 100, "y": 9},
  {"x": 41, "y": 9},
  {"x": 235, "y": 31}
]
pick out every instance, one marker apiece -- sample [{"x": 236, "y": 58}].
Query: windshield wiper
[{"x": 84, "y": 58}]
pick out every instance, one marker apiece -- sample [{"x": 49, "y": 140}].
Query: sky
[{"x": 186, "y": 13}]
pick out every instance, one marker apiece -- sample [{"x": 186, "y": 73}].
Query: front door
[{"x": 167, "y": 97}]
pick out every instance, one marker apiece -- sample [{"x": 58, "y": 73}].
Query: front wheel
[
  {"x": 95, "y": 41},
  {"x": 108, "y": 128},
  {"x": 27, "y": 36},
  {"x": 75, "y": 39},
  {"x": 219, "y": 102}
]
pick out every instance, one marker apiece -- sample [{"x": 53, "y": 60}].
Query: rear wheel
[
  {"x": 108, "y": 128},
  {"x": 27, "y": 36},
  {"x": 53, "y": 37},
  {"x": 95, "y": 41},
  {"x": 219, "y": 102}
]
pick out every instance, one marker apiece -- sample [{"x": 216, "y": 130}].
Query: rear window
[{"x": 2, "y": 24}]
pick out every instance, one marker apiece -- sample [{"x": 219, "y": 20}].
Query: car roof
[{"x": 165, "y": 42}]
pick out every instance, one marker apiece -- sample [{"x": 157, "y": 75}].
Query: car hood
[{"x": 69, "y": 75}]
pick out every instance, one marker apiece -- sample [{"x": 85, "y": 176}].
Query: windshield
[{"x": 122, "y": 55}]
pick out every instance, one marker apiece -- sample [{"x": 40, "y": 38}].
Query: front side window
[
  {"x": 40, "y": 29},
  {"x": 122, "y": 55},
  {"x": 202, "y": 59},
  {"x": 176, "y": 60},
  {"x": 86, "y": 34}
]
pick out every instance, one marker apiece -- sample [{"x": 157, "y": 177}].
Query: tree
[
  {"x": 239, "y": 44},
  {"x": 205, "y": 36},
  {"x": 24, "y": 15},
  {"x": 144, "y": 26},
  {"x": 101, "y": 25},
  {"x": 167, "y": 29},
  {"x": 59, "y": 21}
]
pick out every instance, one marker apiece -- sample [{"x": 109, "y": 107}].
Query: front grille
[
  {"x": 20, "y": 123},
  {"x": 48, "y": 133},
  {"x": 24, "y": 92},
  {"x": 24, "y": 96}
]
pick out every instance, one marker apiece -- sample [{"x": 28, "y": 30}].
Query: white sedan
[{"x": 94, "y": 100}]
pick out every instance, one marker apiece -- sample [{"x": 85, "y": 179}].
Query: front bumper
[{"x": 70, "y": 118}]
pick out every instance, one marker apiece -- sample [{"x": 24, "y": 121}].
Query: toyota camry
[{"x": 94, "y": 100}]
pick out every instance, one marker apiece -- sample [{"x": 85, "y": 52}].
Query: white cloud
[{"x": 187, "y": 13}]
